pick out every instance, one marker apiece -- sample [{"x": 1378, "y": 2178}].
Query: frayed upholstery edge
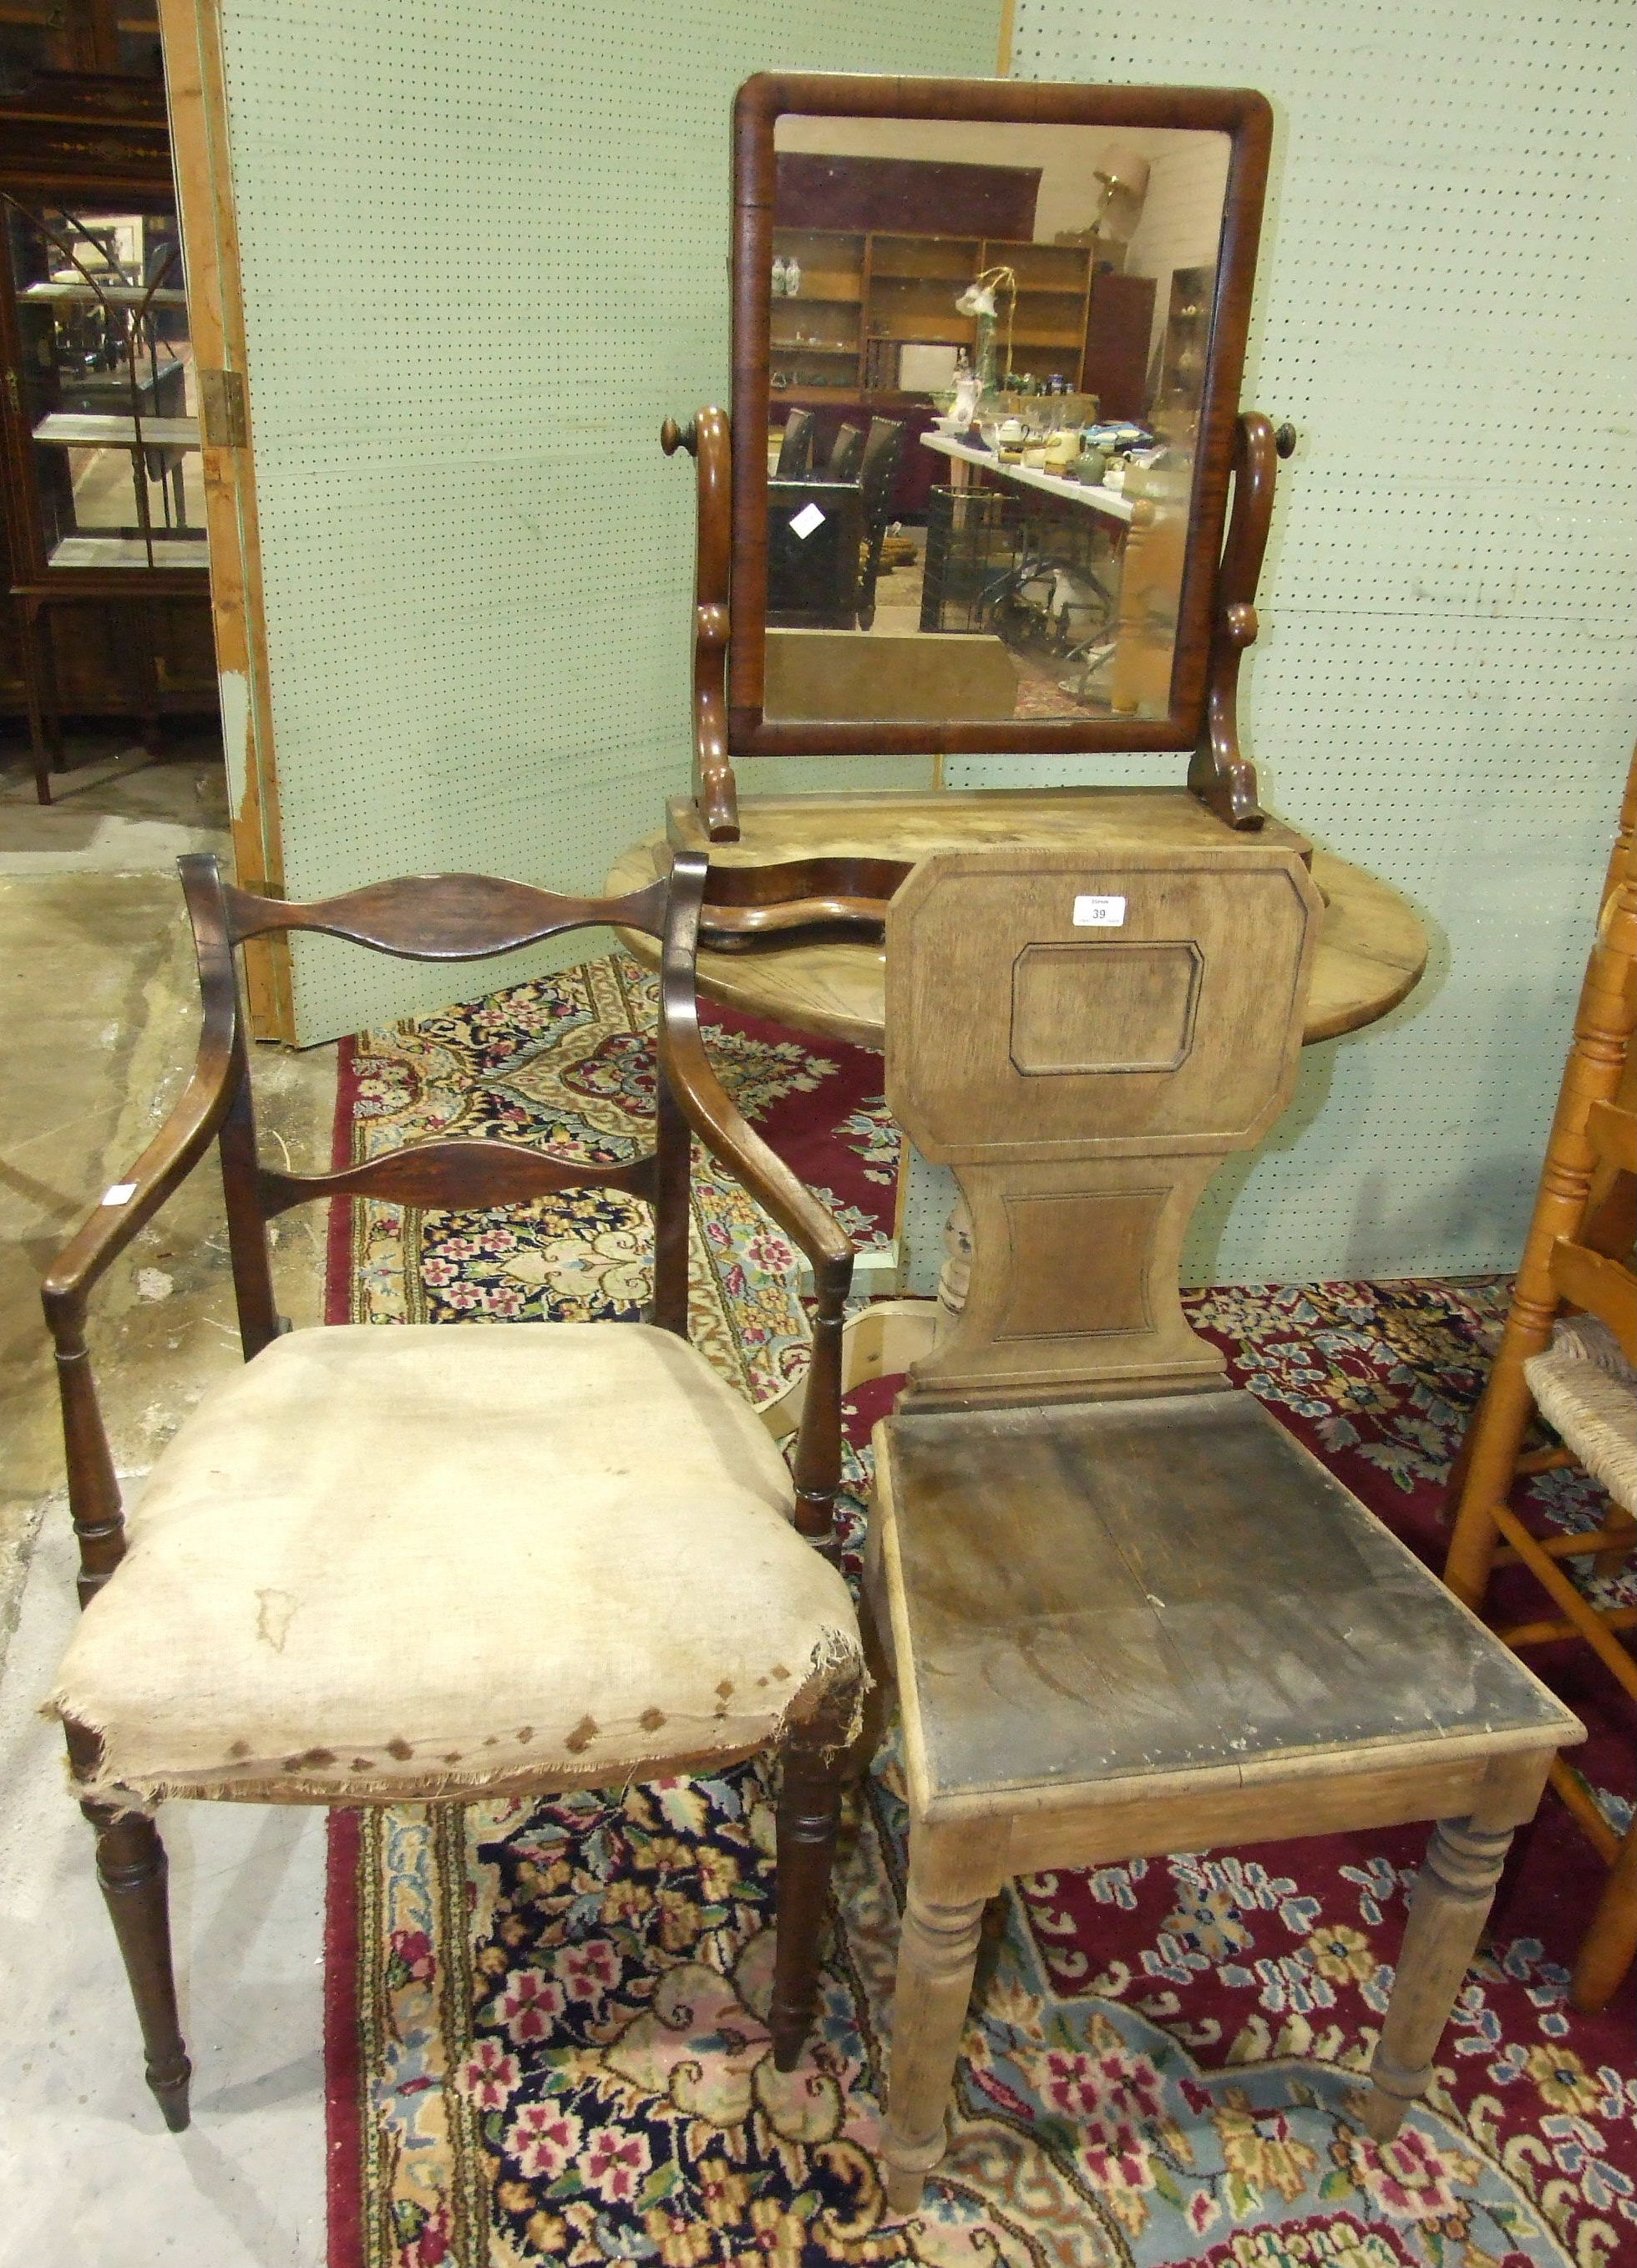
[{"x": 836, "y": 1674}]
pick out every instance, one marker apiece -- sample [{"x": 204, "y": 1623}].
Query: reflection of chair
[
  {"x": 796, "y": 450},
  {"x": 815, "y": 535},
  {"x": 848, "y": 455},
  {"x": 877, "y": 469},
  {"x": 1127, "y": 1612},
  {"x": 436, "y": 1564},
  {"x": 1578, "y": 1253}
]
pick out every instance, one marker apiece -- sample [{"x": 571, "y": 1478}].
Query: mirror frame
[{"x": 1241, "y": 113}]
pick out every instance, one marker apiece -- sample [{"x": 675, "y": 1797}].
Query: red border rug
[{"x": 545, "y": 2035}]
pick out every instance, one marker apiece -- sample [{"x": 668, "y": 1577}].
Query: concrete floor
[{"x": 97, "y": 1019}]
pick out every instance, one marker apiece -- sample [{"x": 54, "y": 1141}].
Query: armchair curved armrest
[
  {"x": 722, "y": 1127},
  {"x": 709, "y": 1108},
  {"x": 160, "y": 1171},
  {"x": 175, "y": 1150}
]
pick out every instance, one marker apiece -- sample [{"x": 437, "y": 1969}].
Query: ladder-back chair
[
  {"x": 1125, "y": 1611},
  {"x": 423, "y": 1563},
  {"x": 1577, "y": 1255}
]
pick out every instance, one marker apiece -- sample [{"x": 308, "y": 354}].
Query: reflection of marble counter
[
  {"x": 1109, "y": 502},
  {"x": 1371, "y": 948}
]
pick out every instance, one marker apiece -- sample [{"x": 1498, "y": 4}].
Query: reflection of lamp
[
  {"x": 1122, "y": 182},
  {"x": 978, "y": 300}
]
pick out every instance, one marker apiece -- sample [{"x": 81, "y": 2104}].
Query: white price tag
[
  {"x": 803, "y": 522},
  {"x": 121, "y": 1193},
  {"x": 1099, "y": 913}
]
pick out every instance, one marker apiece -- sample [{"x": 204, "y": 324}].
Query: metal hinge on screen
[{"x": 223, "y": 414}]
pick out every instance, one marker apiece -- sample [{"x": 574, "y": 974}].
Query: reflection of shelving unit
[
  {"x": 864, "y": 293},
  {"x": 104, "y": 501}
]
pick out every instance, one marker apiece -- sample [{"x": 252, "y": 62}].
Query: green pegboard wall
[
  {"x": 1444, "y": 687},
  {"x": 485, "y": 252}
]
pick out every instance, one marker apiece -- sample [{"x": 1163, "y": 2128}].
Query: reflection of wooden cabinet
[
  {"x": 1116, "y": 367},
  {"x": 865, "y": 293}
]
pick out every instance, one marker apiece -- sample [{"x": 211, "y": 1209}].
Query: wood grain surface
[{"x": 1372, "y": 947}]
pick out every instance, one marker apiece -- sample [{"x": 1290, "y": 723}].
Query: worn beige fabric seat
[{"x": 442, "y": 1562}]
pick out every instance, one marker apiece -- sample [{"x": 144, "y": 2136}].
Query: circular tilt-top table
[{"x": 1372, "y": 948}]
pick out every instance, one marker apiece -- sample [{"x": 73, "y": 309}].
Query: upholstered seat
[{"x": 396, "y": 1561}]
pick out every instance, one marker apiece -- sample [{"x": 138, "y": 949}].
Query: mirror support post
[
  {"x": 706, "y": 437},
  {"x": 1219, "y": 774}
]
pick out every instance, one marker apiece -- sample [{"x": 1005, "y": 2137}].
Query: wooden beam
[{"x": 195, "y": 81}]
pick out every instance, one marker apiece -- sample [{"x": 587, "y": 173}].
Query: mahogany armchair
[{"x": 664, "y": 1608}]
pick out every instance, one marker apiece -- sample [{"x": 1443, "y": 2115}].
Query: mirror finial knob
[
  {"x": 674, "y": 437},
  {"x": 1285, "y": 439}
]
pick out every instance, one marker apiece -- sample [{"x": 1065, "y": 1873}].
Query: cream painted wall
[{"x": 1180, "y": 224}]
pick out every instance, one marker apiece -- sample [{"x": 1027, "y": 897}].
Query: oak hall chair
[
  {"x": 1577, "y": 1370},
  {"x": 606, "y": 1568},
  {"x": 1127, "y": 1612}
]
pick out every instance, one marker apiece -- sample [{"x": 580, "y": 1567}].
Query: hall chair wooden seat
[
  {"x": 1125, "y": 1611},
  {"x": 1569, "y": 1351},
  {"x": 426, "y": 1563}
]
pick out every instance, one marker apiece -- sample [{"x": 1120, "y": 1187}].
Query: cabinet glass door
[{"x": 106, "y": 387}]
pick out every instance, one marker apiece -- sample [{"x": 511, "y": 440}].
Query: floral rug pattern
[{"x": 547, "y": 2036}]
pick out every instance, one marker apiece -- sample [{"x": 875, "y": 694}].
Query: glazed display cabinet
[{"x": 104, "y": 494}]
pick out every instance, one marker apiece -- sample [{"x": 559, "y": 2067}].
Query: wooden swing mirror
[{"x": 1087, "y": 254}]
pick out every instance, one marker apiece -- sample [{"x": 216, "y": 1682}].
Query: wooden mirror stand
[{"x": 1219, "y": 773}]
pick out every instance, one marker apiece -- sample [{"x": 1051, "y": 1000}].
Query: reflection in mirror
[{"x": 988, "y": 356}]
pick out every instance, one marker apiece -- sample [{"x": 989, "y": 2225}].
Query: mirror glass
[{"x": 988, "y": 349}]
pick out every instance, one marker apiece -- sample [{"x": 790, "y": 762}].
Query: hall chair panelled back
[
  {"x": 1127, "y": 1613},
  {"x": 1569, "y": 1351},
  {"x": 607, "y": 1570}
]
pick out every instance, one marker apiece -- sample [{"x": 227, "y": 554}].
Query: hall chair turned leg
[
  {"x": 1449, "y": 1908},
  {"x": 131, "y": 1870},
  {"x": 937, "y": 1958}
]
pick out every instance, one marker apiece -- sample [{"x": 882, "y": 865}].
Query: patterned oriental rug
[{"x": 545, "y": 2038}]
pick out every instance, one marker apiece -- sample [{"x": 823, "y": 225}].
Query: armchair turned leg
[
  {"x": 131, "y": 1870},
  {"x": 936, "y": 1956},
  {"x": 809, "y": 1804},
  {"x": 1447, "y": 1911}
]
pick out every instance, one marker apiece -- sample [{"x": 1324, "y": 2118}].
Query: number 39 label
[{"x": 1099, "y": 913}]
